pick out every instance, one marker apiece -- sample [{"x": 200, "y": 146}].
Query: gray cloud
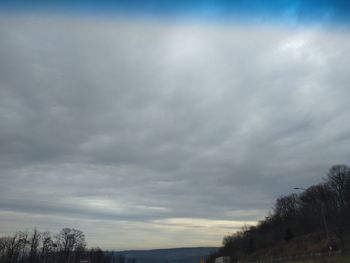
[{"x": 113, "y": 124}]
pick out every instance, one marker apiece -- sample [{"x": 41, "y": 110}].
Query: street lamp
[
  {"x": 300, "y": 188},
  {"x": 322, "y": 213}
]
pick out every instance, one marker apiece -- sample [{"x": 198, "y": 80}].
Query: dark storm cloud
[{"x": 151, "y": 125}]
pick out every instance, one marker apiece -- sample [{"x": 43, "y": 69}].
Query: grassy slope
[
  {"x": 340, "y": 259},
  {"x": 307, "y": 244}
]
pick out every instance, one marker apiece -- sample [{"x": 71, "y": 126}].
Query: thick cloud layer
[{"x": 167, "y": 133}]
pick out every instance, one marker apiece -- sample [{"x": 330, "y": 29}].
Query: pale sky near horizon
[{"x": 153, "y": 134}]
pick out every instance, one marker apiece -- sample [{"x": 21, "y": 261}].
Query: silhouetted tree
[
  {"x": 324, "y": 207},
  {"x": 69, "y": 240},
  {"x": 288, "y": 235},
  {"x": 34, "y": 242}
]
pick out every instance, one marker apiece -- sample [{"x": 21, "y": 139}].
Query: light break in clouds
[{"x": 149, "y": 135}]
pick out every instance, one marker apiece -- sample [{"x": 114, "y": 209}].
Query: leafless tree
[
  {"x": 47, "y": 247},
  {"x": 34, "y": 242},
  {"x": 337, "y": 179},
  {"x": 69, "y": 240},
  {"x": 287, "y": 206}
]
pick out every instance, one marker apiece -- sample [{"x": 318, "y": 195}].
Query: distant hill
[{"x": 171, "y": 255}]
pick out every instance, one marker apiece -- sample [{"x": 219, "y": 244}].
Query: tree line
[
  {"x": 322, "y": 209},
  {"x": 67, "y": 246}
]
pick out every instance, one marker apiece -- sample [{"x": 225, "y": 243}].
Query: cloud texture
[{"x": 167, "y": 133}]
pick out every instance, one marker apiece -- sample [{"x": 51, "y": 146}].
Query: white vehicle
[{"x": 223, "y": 260}]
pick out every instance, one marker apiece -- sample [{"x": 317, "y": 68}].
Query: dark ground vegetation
[
  {"x": 67, "y": 246},
  {"x": 316, "y": 219}
]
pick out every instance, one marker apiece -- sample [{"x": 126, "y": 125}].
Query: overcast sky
[{"x": 153, "y": 134}]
